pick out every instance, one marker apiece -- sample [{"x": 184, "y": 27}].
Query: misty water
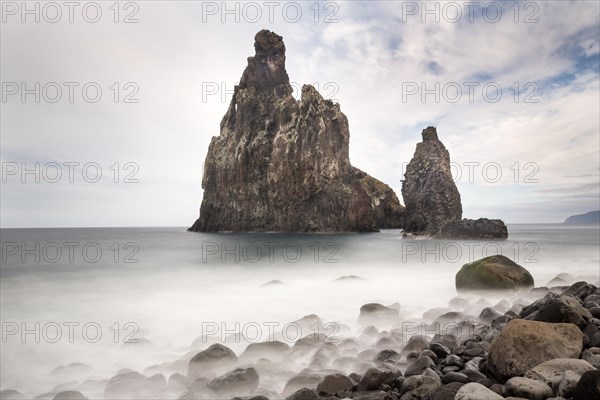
[{"x": 140, "y": 298}]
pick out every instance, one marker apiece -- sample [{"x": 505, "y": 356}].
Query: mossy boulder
[{"x": 493, "y": 273}]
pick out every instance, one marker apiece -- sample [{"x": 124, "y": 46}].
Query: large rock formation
[
  {"x": 283, "y": 165},
  {"x": 433, "y": 206}
]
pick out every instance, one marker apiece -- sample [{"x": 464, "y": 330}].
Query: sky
[{"x": 107, "y": 112}]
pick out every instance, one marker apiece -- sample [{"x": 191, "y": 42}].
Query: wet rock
[
  {"x": 374, "y": 378},
  {"x": 374, "y": 395},
  {"x": 551, "y": 371},
  {"x": 304, "y": 394},
  {"x": 374, "y": 314},
  {"x": 493, "y": 273},
  {"x": 476, "y": 391},
  {"x": 387, "y": 355},
  {"x": 580, "y": 289},
  {"x": 418, "y": 386},
  {"x": 567, "y": 384},
  {"x": 562, "y": 309},
  {"x": 217, "y": 357},
  {"x": 440, "y": 350},
  {"x": 455, "y": 377},
  {"x": 285, "y": 163},
  {"x": 335, "y": 383},
  {"x": 70, "y": 395},
  {"x": 588, "y": 386},
  {"x": 302, "y": 380},
  {"x": 239, "y": 382},
  {"x": 528, "y": 388},
  {"x": 415, "y": 343},
  {"x": 488, "y": 314},
  {"x": 274, "y": 351},
  {"x": 420, "y": 365}
]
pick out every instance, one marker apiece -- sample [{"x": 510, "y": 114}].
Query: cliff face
[
  {"x": 283, "y": 165},
  {"x": 430, "y": 194}
]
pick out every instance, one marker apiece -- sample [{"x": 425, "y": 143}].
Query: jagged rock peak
[
  {"x": 269, "y": 44},
  {"x": 266, "y": 70},
  {"x": 429, "y": 133},
  {"x": 281, "y": 164},
  {"x": 430, "y": 194},
  {"x": 433, "y": 203}
]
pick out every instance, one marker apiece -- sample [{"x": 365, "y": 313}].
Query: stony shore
[{"x": 547, "y": 348}]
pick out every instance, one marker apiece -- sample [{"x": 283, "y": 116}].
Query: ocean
[{"x": 143, "y": 298}]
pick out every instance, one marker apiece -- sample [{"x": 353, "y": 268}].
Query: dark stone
[
  {"x": 580, "y": 289},
  {"x": 335, "y": 383},
  {"x": 284, "y": 163},
  {"x": 588, "y": 386},
  {"x": 374, "y": 313},
  {"x": 69, "y": 395},
  {"x": 419, "y": 366},
  {"x": 215, "y": 355},
  {"x": 374, "y": 378},
  {"x": 238, "y": 382},
  {"x": 440, "y": 350},
  {"x": 387, "y": 355},
  {"x": 563, "y": 309},
  {"x": 430, "y": 194},
  {"x": 455, "y": 377},
  {"x": 304, "y": 394},
  {"x": 482, "y": 228}
]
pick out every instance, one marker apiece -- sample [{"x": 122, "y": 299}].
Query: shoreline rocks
[{"x": 458, "y": 357}]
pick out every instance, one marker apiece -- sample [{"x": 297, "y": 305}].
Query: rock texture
[
  {"x": 523, "y": 345},
  {"x": 283, "y": 165},
  {"x": 493, "y": 273},
  {"x": 481, "y": 228},
  {"x": 430, "y": 195},
  {"x": 432, "y": 200}
]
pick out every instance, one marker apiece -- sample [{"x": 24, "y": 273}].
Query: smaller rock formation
[
  {"x": 493, "y": 273},
  {"x": 481, "y": 228},
  {"x": 432, "y": 201},
  {"x": 431, "y": 197}
]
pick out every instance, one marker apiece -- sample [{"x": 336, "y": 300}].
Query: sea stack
[
  {"x": 283, "y": 165},
  {"x": 432, "y": 200}
]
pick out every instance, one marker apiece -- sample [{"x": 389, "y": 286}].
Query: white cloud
[{"x": 368, "y": 54}]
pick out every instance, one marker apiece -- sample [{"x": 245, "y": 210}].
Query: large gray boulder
[{"x": 523, "y": 345}]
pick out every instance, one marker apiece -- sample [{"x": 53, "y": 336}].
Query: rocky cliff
[
  {"x": 432, "y": 200},
  {"x": 283, "y": 165}
]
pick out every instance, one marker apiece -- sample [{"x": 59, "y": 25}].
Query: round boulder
[
  {"x": 493, "y": 273},
  {"x": 524, "y": 344}
]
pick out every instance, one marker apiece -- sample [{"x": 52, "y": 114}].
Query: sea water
[{"x": 133, "y": 298}]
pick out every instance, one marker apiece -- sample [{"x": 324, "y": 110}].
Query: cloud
[{"x": 365, "y": 60}]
